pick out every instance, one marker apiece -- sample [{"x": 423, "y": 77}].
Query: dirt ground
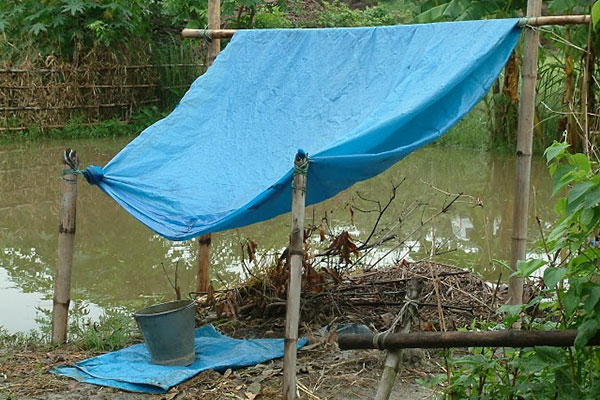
[{"x": 324, "y": 373}]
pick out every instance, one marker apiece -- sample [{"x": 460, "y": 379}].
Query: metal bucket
[{"x": 168, "y": 329}]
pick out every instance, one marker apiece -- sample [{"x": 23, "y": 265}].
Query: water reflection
[{"x": 119, "y": 262}]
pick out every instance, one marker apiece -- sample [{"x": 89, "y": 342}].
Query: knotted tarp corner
[{"x": 356, "y": 99}]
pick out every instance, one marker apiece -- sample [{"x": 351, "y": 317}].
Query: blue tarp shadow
[{"x": 131, "y": 368}]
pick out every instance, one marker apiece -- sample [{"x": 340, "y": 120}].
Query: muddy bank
[{"x": 369, "y": 298}]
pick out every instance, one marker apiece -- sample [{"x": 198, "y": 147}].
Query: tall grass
[{"x": 472, "y": 132}]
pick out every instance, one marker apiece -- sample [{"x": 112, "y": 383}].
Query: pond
[{"x": 118, "y": 262}]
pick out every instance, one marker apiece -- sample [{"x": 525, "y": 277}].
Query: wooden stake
[
  {"x": 66, "y": 239},
  {"x": 292, "y": 317},
  {"x": 524, "y": 141},
  {"x": 394, "y": 357},
  {"x": 204, "y": 242}
]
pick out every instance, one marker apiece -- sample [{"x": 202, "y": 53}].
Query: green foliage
[
  {"x": 461, "y": 10},
  {"x": 596, "y": 14},
  {"x": 66, "y": 27},
  {"x": 340, "y": 15},
  {"x": 569, "y": 299},
  {"x": 186, "y": 13},
  {"x": 271, "y": 17}
]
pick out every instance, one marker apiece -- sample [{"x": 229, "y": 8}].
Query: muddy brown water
[{"x": 118, "y": 261}]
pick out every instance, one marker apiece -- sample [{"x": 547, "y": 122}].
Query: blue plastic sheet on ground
[
  {"x": 131, "y": 368},
  {"x": 357, "y": 100}
]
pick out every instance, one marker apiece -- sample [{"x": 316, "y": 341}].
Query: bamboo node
[
  {"x": 68, "y": 231},
  {"x": 521, "y": 153},
  {"x": 205, "y": 241},
  {"x": 61, "y": 303}
]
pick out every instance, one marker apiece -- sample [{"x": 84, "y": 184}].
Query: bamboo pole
[
  {"x": 66, "y": 239},
  {"x": 203, "y": 280},
  {"x": 214, "y": 22},
  {"x": 292, "y": 316},
  {"x": 216, "y": 33},
  {"x": 204, "y": 241},
  {"x": 454, "y": 339},
  {"x": 524, "y": 142},
  {"x": 393, "y": 358}
]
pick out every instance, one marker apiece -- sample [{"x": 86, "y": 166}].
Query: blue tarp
[
  {"x": 357, "y": 100},
  {"x": 131, "y": 369}
]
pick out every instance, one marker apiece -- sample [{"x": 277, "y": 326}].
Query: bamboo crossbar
[
  {"x": 208, "y": 33},
  {"x": 528, "y": 21},
  {"x": 437, "y": 340},
  {"x": 555, "y": 20},
  {"x": 107, "y": 68},
  {"x": 74, "y": 86}
]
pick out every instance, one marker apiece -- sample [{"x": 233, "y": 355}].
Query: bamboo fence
[{"x": 54, "y": 97}]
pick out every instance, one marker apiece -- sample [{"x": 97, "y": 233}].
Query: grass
[
  {"x": 115, "y": 329},
  {"x": 470, "y": 133},
  {"x": 76, "y": 128}
]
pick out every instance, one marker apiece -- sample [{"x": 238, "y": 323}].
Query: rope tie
[
  {"x": 301, "y": 167},
  {"x": 408, "y": 310},
  {"x": 93, "y": 174},
  {"x": 301, "y": 164},
  {"x": 71, "y": 161}
]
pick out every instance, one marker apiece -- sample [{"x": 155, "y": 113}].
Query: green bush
[{"x": 568, "y": 298}]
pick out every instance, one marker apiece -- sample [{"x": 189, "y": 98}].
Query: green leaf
[
  {"x": 526, "y": 268},
  {"x": 585, "y": 332},
  {"x": 592, "y": 198},
  {"x": 554, "y": 275},
  {"x": 549, "y": 354},
  {"x": 556, "y": 149},
  {"x": 579, "y": 190},
  {"x": 564, "y": 175},
  {"x": 582, "y": 161},
  {"x": 596, "y": 14},
  {"x": 571, "y": 301},
  {"x": 74, "y": 7},
  {"x": 560, "y": 6},
  {"x": 592, "y": 299},
  {"x": 587, "y": 216},
  {"x": 432, "y": 15},
  {"x": 37, "y": 28},
  {"x": 511, "y": 309}
]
